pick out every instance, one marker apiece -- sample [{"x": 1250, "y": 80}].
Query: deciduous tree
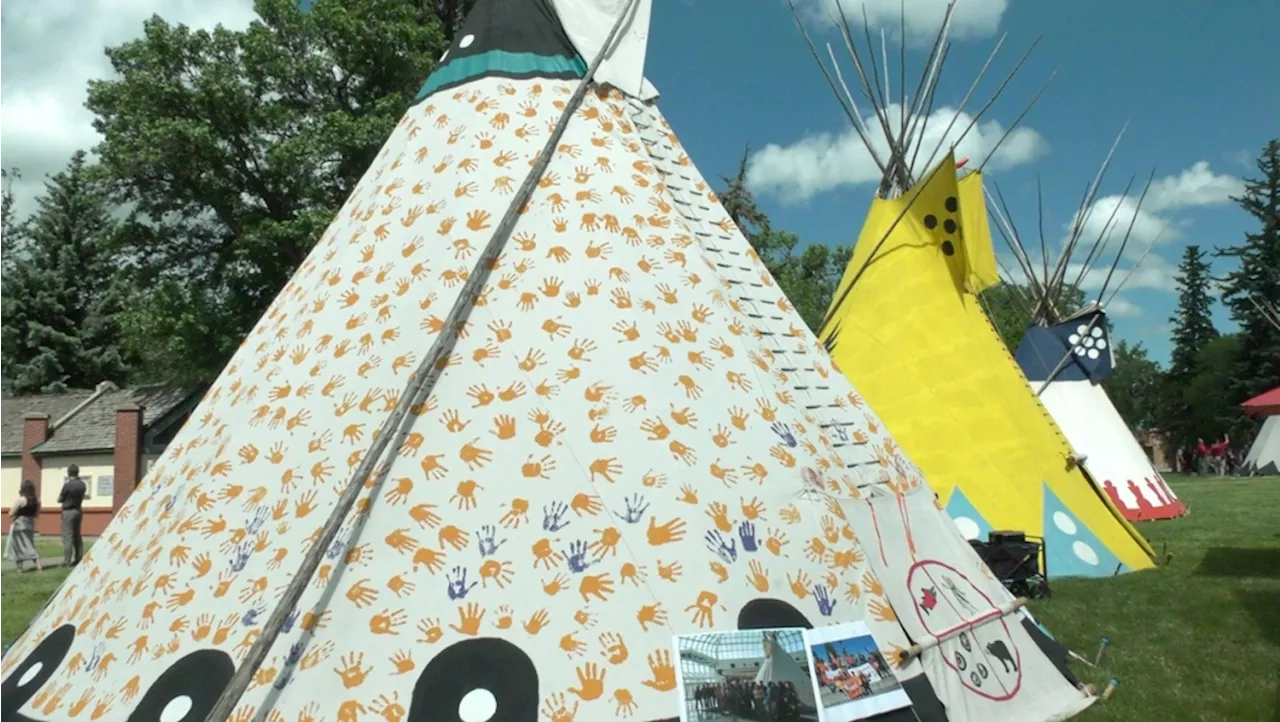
[
  {"x": 808, "y": 277},
  {"x": 1135, "y": 385},
  {"x": 237, "y": 148}
]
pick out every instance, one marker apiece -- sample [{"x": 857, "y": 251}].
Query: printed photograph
[
  {"x": 745, "y": 676},
  {"x": 852, "y": 679}
]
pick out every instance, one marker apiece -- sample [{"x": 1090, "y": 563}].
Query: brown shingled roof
[
  {"x": 13, "y": 408},
  {"x": 93, "y": 428}
]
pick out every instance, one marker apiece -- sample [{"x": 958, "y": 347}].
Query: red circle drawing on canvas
[{"x": 985, "y": 658}]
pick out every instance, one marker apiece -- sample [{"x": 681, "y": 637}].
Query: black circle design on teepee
[
  {"x": 486, "y": 663},
  {"x": 771, "y": 614},
  {"x": 949, "y": 226},
  {"x": 931, "y": 221},
  {"x": 28, "y": 677},
  {"x": 952, "y": 204},
  {"x": 187, "y": 690},
  {"x": 948, "y": 248}
]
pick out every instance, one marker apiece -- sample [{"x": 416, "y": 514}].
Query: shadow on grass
[
  {"x": 1240, "y": 562},
  {"x": 1264, "y": 606}
]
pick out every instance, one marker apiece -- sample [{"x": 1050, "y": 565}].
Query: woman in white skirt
[{"x": 22, "y": 532}]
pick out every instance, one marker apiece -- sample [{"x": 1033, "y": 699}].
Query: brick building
[{"x": 112, "y": 434}]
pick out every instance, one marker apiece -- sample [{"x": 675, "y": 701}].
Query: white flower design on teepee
[{"x": 1087, "y": 342}]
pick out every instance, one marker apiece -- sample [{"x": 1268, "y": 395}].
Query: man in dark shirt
[{"x": 72, "y": 499}]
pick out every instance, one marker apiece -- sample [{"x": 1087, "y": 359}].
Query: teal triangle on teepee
[
  {"x": 1071, "y": 548},
  {"x": 967, "y": 519}
]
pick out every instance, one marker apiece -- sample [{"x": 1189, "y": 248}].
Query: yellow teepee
[{"x": 907, "y": 327}]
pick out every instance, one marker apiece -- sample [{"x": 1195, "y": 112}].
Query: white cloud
[
  {"x": 970, "y": 19},
  {"x": 1195, "y": 186},
  {"x": 1154, "y": 273},
  {"x": 1121, "y": 307},
  {"x": 818, "y": 163},
  {"x": 51, "y": 50},
  {"x": 1159, "y": 217}
]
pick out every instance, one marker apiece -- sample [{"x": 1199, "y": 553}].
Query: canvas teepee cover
[
  {"x": 907, "y": 326},
  {"x": 1264, "y": 452},
  {"x": 1065, "y": 364},
  {"x": 622, "y": 434}
]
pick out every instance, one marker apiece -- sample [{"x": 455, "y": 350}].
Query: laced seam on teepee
[
  {"x": 741, "y": 277},
  {"x": 417, "y": 390}
]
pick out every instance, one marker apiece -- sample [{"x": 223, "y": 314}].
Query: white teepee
[
  {"x": 1065, "y": 357},
  {"x": 531, "y": 407}
]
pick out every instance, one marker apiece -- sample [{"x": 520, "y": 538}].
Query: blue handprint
[
  {"x": 254, "y": 524},
  {"x": 335, "y": 549},
  {"x": 289, "y": 621},
  {"x": 241, "y": 557},
  {"x": 577, "y": 557},
  {"x": 825, "y": 603},
  {"x": 95, "y": 657},
  {"x": 552, "y": 517},
  {"x": 747, "y": 533},
  {"x": 727, "y": 551},
  {"x": 486, "y": 540},
  {"x": 250, "y": 617},
  {"x": 636, "y": 507},
  {"x": 295, "y": 653},
  {"x": 784, "y": 432},
  {"x": 458, "y": 587}
]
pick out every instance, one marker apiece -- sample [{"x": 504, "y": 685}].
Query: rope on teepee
[{"x": 417, "y": 390}]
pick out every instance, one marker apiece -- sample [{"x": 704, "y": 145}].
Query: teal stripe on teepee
[{"x": 501, "y": 62}]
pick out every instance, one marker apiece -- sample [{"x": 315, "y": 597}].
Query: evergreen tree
[
  {"x": 1192, "y": 331},
  {"x": 1192, "y": 321},
  {"x": 1255, "y": 284},
  {"x": 60, "y": 298}
]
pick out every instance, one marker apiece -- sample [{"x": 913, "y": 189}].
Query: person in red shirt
[{"x": 1202, "y": 456}]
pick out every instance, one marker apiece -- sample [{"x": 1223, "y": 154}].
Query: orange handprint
[
  {"x": 664, "y": 674},
  {"x": 469, "y": 618},
  {"x": 671, "y": 531},
  {"x": 591, "y": 677}
]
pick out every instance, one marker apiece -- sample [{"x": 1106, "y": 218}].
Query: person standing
[
  {"x": 22, "y": 532},
  {"x": 72, "y": 499}
]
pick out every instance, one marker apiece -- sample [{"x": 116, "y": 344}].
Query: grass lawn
[
  {"x": 1199, "y": 637},
  {"x": 48, "y": 547},
  {"x": 1196, "y": 639}
]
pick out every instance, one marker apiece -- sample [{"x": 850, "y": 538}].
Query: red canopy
[{"x": 1264, "y": 404}]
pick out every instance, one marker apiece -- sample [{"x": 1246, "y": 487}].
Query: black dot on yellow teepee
[
  {"x": 931, "y": 221},
  {"x": 952, "y": 204},
  {"x": 948, "y": 248},
  {"x": 949, "y": 226}
]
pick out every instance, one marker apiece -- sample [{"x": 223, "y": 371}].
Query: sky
[{"x": 737, "y": 77}]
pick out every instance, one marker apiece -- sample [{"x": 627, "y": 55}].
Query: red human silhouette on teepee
[
  {"x": 1115, "y": 495},
  {"x": 1140, "y": 500}
]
